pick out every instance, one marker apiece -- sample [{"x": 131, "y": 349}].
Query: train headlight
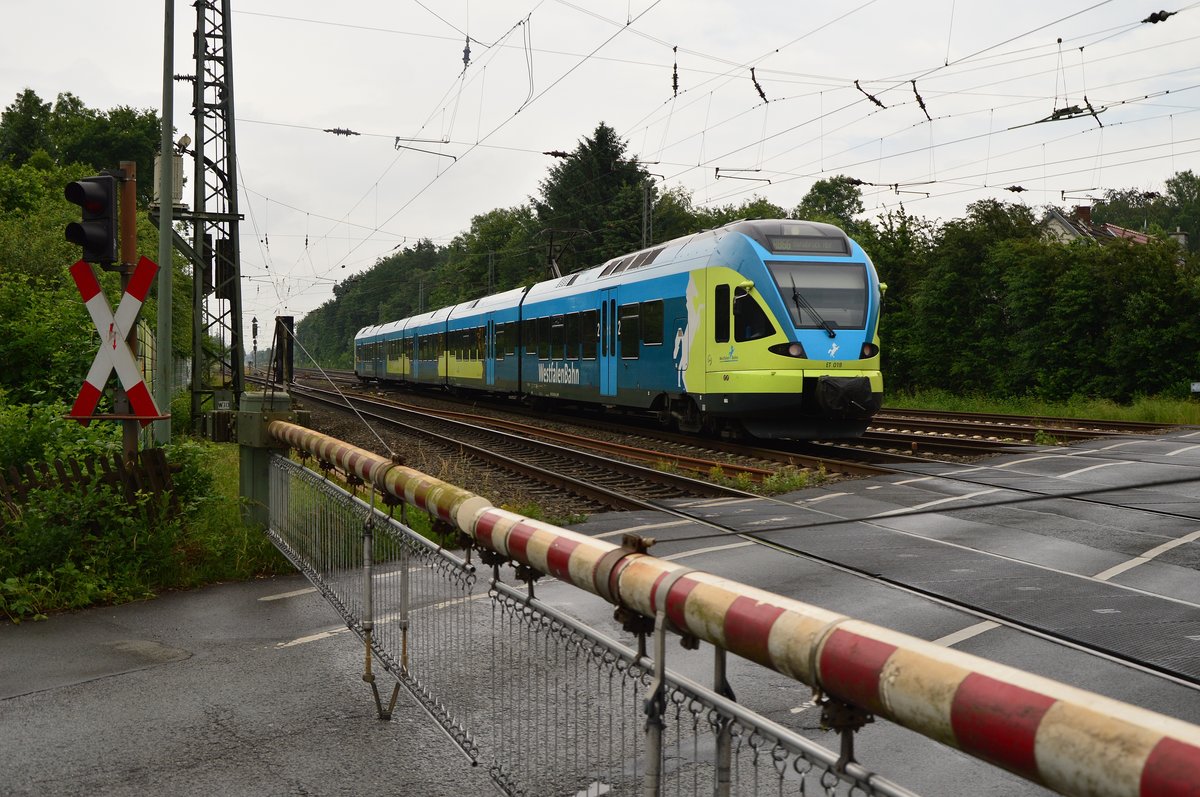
[
  {"x": 788, "y": 350},
  {"x": 869, "y": 350}
]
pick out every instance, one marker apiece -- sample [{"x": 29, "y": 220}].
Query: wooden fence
[{"x": 148, "y": 473}]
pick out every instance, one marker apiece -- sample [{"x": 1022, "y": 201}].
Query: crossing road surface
[{"x": 199, "y": 693}]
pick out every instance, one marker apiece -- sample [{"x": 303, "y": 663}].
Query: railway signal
[{"x": 96, "y": 231}]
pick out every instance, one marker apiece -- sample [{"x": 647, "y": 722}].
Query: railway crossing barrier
[{"x": 542, "y": 700}]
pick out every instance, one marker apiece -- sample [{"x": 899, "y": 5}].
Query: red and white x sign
[{"x": 114, "y": 350}]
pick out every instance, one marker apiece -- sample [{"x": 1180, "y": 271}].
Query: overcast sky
[{"x": 320, "y": 207}]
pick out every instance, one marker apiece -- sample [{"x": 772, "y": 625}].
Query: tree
[
  {"x": 24, "y": 128},
  {"x": 70, "y": 132},
  {"x": 596, "y": 189},
  {"x": 753, "y": 208},
  {"x": 836, "y": 200},
  {"x": 1183, "y": 194}
]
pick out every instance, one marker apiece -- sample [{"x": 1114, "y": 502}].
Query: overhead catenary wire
[{"x": 765, "y": 158}]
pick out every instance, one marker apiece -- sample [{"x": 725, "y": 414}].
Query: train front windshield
[{"x": 817, "y": 294}]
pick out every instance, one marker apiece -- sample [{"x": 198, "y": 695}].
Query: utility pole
[
  {"x": 129, "y": 257},
  {"x": 164, "y": 361}
]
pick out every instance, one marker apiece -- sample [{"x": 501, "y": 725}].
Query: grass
[
  {"x": 1149, "y": 409},
  {"x": 70, "y": 549}
]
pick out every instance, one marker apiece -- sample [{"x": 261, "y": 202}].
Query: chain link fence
[{"x": 549, "y": 705}]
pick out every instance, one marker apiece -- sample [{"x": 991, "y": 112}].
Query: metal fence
[{"x": 549, "y": 705}]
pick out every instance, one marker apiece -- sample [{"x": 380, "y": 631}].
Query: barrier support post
[{"x": 256, "y": 448}]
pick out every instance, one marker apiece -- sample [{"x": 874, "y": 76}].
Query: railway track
[
  {"x": 896, "y": 435},
  {"x": 599, "y": 478},
  {"x": 1020, "y": 427}
]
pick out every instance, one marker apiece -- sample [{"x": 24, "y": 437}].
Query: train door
[
  {"x": 489, "y": 354},
  {"x": 610, "y": 358}
]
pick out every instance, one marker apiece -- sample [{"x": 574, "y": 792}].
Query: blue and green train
[{"x": 767, "y": 328}]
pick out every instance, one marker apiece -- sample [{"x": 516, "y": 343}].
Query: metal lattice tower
[{"x": 215, "y": 250}]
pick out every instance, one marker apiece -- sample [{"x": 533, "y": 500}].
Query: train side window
[
  {"x": 529, "y": 336},
  {"x": 604, "y": 328},
  {"x": 721, "y": 313},
  {"x": 589, "y": 331},
  {"x": 630, "y": 331},
  {"x": 558, "y": 337},
  {"x": 501, "y": 340},
  {"x": 750, "y": 322},
  {"x": 572, "y": 326},
  {"x": 652, "y": 323},
  {"x": 543, "y": 349},
  {"x": 510, "y": 335}
]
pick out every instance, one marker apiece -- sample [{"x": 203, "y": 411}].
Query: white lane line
[
  {"x": 950, "y": 640},
  {"x": 685, "y": 554},
  {"x": 1189, "y": 434},
  {"x": 1146, "y": 557},
  {"x": 291, "y": 594},
  {"x": 914, "y": 481},
  {"x": 387, "y": 618},
  {"x": 927, "y": 504},
  {"x": 311, "y": 638},
  {"x": 820, "y": 498},
  {"x": 1182, "y": 450},
  {"x": 1029, "y": 459},
  {"x": 647, "y": 527},
  {"x": 1114, "y": 445},
  {"x": 1092, "y": 467},
  {"x": 720, "y": 502},
  {"x": 803, "y": 707}
]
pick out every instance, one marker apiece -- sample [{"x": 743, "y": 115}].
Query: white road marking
[
  {"x": 649, "y": 526},
  {"x": 950, "y": 640},
  {"x": 804, "y": 706},
  {"x": 914, "y": 481},
  {"x": 927, "y": 504},
  {"x": 1029, "y": 459},
  {"x": 1182, "y": 450},
  {"x": 820, "y": 498},
  {"x": 1115, "y": 445},
  {"x": 291, "y": 594},
  {"x": 1189, "y": 434},
  {"x": 875, "y": 487},
  {"x": 723, "y": 502},
  {"x": 1146, "y": 557},
  {"x": 676, "y": 556},
  {"x": 311, "y": 638},
  {"x": 1092, "y": 467}
]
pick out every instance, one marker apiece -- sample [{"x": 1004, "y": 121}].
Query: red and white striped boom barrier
[{"x": 1067, "y": 739}]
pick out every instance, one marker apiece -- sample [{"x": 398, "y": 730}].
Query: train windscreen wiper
[{"x": 803, "y": 304}]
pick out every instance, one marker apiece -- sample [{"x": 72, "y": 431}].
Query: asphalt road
[{"x": 195, "y": 693}]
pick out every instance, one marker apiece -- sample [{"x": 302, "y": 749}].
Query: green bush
[{"x": 69, "y": 548}]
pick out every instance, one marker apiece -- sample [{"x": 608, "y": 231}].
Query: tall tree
[
  {"x": 24, "y": 128},
  {"x": 593, "y": 198},
  {"x": 70, "y": 132},
  {"x": 836, "y": 200}
]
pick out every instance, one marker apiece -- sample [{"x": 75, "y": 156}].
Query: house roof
[{"x": 1078, "y": 225}]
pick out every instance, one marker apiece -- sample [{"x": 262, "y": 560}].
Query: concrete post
[{"x": 257, "y": 445}]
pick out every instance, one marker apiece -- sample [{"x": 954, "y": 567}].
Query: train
[{"x": 763, "y": 328}]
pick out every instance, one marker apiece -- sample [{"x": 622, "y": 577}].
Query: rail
[{"x": 1064, "y": 738}]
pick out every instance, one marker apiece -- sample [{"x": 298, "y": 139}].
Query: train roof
[
  {"x": 496, "y": 301},
  {"x": 779, "y": 236}
]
